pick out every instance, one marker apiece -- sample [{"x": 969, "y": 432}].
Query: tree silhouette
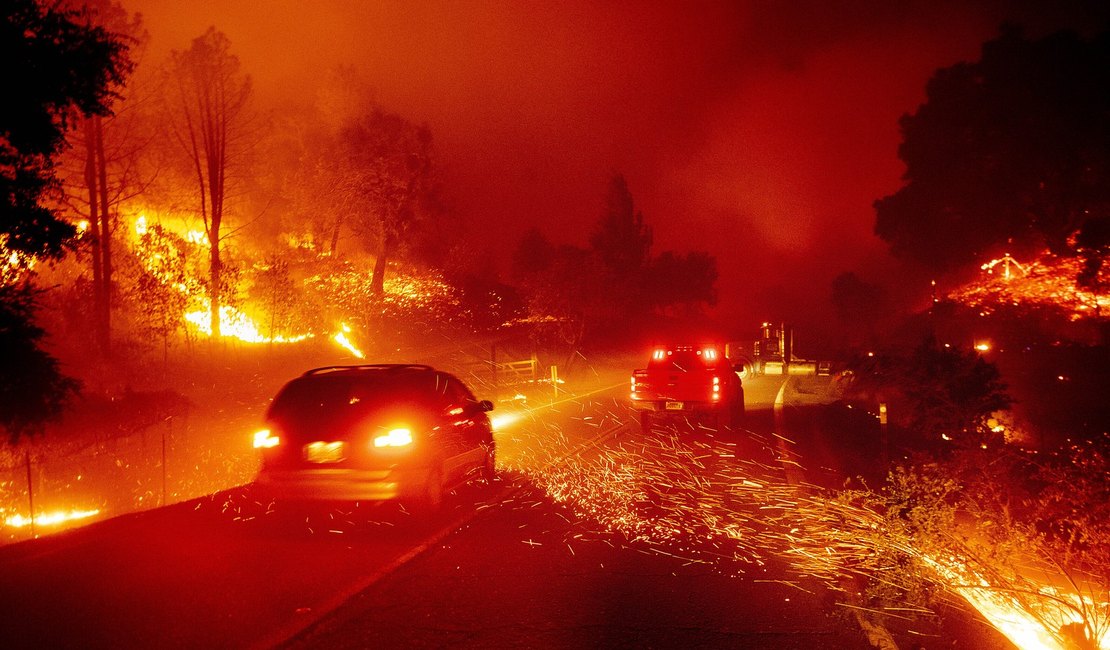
[
  {"x": 1009, "y": 151},
  {"x": 102, "y": 168},
  {"x": 934, "y": 390},
  {"x": 55, "y": 69},
  {"x": 621, "y": 239},
  {"x": 387, "y": 183}
]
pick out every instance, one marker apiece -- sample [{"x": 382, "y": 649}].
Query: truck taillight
[
  {"x": 709, "y": 354},
  {"x": 716, "y": 388},
  {"x": 659, "y": 354}
]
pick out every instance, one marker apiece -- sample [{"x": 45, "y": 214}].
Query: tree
[
  {"x": 621, "y": 239},
  {"x": 32, "y": 388},
  {"x": 934, "y": 390},
  {"x": 209, "y": 123},
  {"x": 535, "y": 254},
  {"x": 388, "y": 182},
  {"x": 55, "y": 70},
  {"x": 274, "y": 288},
  {"x": 162, "y": 283},
  {"x": 682, "y": 281},
  {"x": 860, "y": 305},
  {"x": 103, "y": 161},
  {"x": 622, "y": 243},
  {"x": 1010, "y": 151},
  {"x": 572, "y": 299}
]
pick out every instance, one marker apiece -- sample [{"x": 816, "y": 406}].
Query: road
[{"x": 595, "y": 536}]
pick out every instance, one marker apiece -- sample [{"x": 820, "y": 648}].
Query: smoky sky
[{"x": 759, "y": 131}]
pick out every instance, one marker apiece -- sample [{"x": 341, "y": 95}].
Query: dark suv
[{"x": 374, "y": 432}]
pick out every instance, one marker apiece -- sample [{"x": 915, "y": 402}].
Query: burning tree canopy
[{"x": 211, "y": 97}]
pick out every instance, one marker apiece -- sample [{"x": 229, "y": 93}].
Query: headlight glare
[
  {"x": 399, "y": 437},
  {"x": 265, "y": 439}
]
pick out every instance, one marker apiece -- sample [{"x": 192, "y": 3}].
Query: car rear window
[{"x": 346, "y": 391}]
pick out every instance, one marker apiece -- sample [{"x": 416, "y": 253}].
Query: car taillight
[
  {"x": 265, "y": 439},
  {"x": 399, "y": 437}
]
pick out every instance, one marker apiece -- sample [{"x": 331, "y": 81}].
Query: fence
[{"x": 47, "y": 485}]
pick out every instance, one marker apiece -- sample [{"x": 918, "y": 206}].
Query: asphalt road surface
[{"x": 570, "y": 548}]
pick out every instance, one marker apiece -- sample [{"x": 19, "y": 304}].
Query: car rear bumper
[
  {"x": 676, "y": 406},
  {"x": 334, "y": 484}
]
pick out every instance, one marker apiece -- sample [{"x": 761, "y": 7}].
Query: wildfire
[
  {"x": 49, "y": 519},
  {"x": 341, "y": 338},
  {"x": 1047, "y": 282},
  {"x": 13, "y": 264},
  {"x": 190, "y": 235},
  {"x": 1024, "y": 622},
  {"x": 236, "y": 324}
]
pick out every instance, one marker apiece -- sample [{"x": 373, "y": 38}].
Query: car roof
[{"x": 383, "y": 367}]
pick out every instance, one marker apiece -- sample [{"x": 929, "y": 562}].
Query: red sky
[{"x": 758, "y": 131}]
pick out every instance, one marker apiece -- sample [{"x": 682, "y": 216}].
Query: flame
[
  {"x": 1007, "y": 262},
  {"x": 1023, "y": 623},
  {"x": 13, "y": 264},
  {"x": 50, "y": 519},
  {"x": 1046, "y": 282},
  {"x": 236, "y": 324},
  {"x": 340, "y": 337}
]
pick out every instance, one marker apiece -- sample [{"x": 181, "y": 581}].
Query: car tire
[
  {"x": 736, "y": 414},
  {"x": 722, "y": 417},
  {"x": 645, "y": 421},
  {"x": 430, "y": 499}
]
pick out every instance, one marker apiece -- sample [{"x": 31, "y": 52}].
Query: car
[
  {"x": 374, "y": 432},
  {"x": 683, "y": 380}
]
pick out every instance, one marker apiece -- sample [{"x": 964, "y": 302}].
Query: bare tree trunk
[
  {"x": 105, "y": 320},
  {"x": 377, "y": 281},
  {"x": 214, "y": 292},
  {"x": 94, "y": 228},
  {"x": 335, "y": 234}
]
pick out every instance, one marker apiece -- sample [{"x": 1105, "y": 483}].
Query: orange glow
[
  {"x": 50, "y": 519},
  {"x": 983, "y": 346}
]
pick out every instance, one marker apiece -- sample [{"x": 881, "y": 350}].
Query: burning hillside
[{"x": 1045, "y": 282}]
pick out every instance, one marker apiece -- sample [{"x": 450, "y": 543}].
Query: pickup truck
[{"x": 685, "y": 380}]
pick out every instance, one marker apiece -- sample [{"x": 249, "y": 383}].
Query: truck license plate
[{"x": 674, "y": 406}]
